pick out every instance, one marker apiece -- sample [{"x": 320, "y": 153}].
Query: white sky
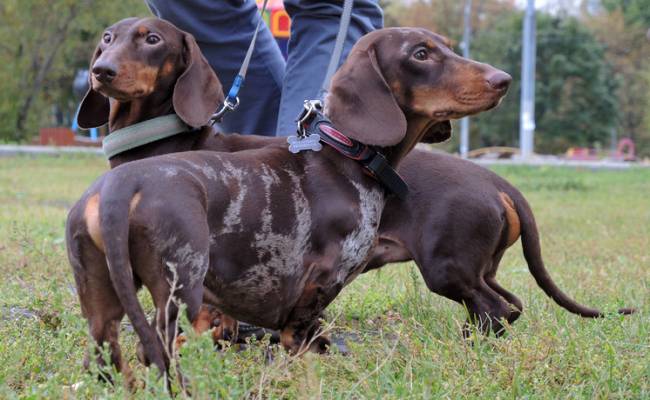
[
  {"x": 552, "y": 5},
  {"x": 538, "y": 3}
]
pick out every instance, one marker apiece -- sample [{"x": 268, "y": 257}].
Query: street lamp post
[
  {"x": 527, "y": 112},
  {"x": 467, "y": 33}
]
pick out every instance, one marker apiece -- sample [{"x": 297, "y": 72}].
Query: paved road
[{"x": 12, "y": 150}]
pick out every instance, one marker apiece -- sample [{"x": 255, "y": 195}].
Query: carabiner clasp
[
  {"x": 228, "y": 105},
  {"x": 310, "y": 107}
]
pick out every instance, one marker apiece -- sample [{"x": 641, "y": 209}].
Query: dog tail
[
  {"x": 533, "y": 255},
  {"x": 114, "y": 207}
]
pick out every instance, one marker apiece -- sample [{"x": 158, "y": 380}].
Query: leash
[
  {"x": 338, "y": 47},
  {"x": 231, "y": 102},
  {"x": 315, "y": 128}
]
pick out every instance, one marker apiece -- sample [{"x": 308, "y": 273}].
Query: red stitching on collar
[{"x": 336, "y": 135}]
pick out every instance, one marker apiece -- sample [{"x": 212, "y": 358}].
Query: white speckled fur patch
[
  {"x": 195, "y": 262},
  {"x": 232, "y": 217},
  {"x": 204, "y": 168},
  {"x": 357, "y": 245},
  {"x": 282, "y": 254}
]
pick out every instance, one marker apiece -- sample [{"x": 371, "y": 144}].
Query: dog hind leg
[
  {"x": 490, "y": 278},
  {"x": 486, "y": 310},
  {"x": 103, "y": 309}
]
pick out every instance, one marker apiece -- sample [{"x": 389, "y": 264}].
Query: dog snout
[
  {"x": 104, "y": 71},
  {"x": 499, "y": 80}
]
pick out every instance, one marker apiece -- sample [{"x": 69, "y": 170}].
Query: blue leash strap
[{"x": 231, "y": 101}]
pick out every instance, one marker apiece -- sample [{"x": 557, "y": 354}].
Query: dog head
[
  {"x": 395, "y": 76},
  {"x": 149, "y": 60}
]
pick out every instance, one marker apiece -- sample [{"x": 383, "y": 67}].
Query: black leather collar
[{"x": 312, "y": 121}]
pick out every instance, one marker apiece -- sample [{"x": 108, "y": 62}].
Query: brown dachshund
[
  {"x": 456, "y": 223},
  {"x": 273, "y": 236}
]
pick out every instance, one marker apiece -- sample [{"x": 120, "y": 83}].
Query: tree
[
  {"x": 43, "y": 43},
  {"x": 622, "y": 27},
  {"x": 575, "y": 93}
]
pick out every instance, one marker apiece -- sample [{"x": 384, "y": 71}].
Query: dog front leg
[{"x": 302, "y": 330}]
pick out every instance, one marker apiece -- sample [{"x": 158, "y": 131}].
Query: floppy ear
[
  {"x": 94, "y": 108},
  {"x": 361, "y": 105},
  {"x": 438, "y": 132},
  {"x": 197, "y": 92}
]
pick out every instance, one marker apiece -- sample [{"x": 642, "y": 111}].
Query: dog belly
[{"x": 258, "y": 296}]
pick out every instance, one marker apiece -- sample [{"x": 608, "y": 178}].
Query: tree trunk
[{"x": 58, "y": 38}]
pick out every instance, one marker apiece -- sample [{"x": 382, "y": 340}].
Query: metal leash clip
[
  {"x": 228, "y": 105},
  {"x": 310, "y": 107},
  {"x": 302, "y": 140}
]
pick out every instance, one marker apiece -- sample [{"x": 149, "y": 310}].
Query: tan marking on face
[
  {"x": 514, "y": 225},
  {"x": 462, "y": 93},
  {"x": 445, "y": 40},
  {"x": 134, "y": 202},
  {"x": 396, "y": 87},
  {"x": 91, "y": 215},
  {"x": 142, "y": 30},
  {"x": 134, "y": 79},
  {"x": 429, "y": 100},
  {"x": 145, "y": 78},
  {"x": 167, "y": 68}
]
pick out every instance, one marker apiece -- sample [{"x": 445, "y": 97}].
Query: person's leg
[
  {"x": 223, "y": 30},
  {"x": 314, "y": 25}
]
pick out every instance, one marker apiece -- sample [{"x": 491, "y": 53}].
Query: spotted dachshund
[{"x": 273, "y": 236}]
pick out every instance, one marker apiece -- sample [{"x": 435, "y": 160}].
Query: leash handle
[{"x": 231, "y": 101}]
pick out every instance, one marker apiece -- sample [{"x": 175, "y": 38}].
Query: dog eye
[
  {"x": 421, "y": 55},
  {"x": 107, "y": 37},
  {"x": 152, "y": 38}
]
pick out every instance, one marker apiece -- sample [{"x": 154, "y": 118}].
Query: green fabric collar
[{"x": 143, "y": 133}]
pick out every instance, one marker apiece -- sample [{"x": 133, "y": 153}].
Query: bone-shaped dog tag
[{"x": 310, "y": 142}]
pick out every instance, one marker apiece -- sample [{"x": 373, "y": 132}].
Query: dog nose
[
  {"x": 104, "y": 71},
  {"x": 499, "y": 80}
]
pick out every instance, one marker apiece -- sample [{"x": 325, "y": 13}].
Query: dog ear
[
  {"x": 197, "y": 92},
  {"x": 438, "y": 132},
  {"x": 94, "y": 108},
  {"x": 361, "y": 104}
]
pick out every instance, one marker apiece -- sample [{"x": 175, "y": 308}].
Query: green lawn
[{"x": 595, "y": 228}]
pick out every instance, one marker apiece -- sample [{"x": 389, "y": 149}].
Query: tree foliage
[
  {"x": 42, "y": 44},
  {"x": 575, "y": 102},
  {"x": 622, "y": 29},
  {"x": 591, "y": 71}
]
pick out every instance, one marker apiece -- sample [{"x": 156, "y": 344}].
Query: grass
[{"x": 595, "y": 228}]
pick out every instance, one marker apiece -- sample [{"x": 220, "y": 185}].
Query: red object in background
[
  {"x": 60, "y": 136},
  {"x": 581, "y": 154},
  {"x": 63, "y": 136},
  {"x": 278, "y": 22},
  {"x": 626, "y": 150}
]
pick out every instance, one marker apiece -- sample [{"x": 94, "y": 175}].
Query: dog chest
[{"x": 356, "y": 246}]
